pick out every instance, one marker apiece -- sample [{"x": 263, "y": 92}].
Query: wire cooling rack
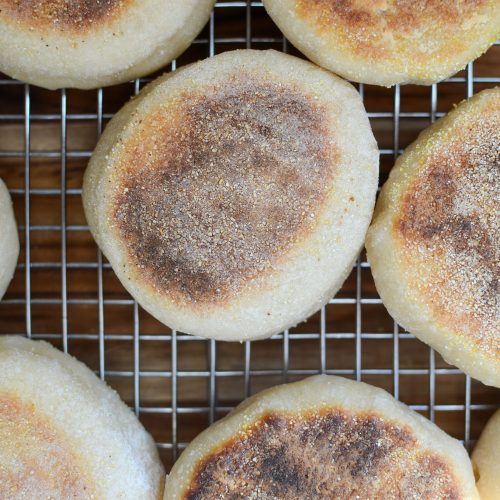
[{"x": 64, "y": 291}]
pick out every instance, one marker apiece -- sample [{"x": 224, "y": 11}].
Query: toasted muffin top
[
  {"x": 322, "y": 437},
  {"x": 386, "y": 42},
  {"x": 62, "y": 15},
  {"x": 334, "y": 453},
  {"x": 449, "y": 228},
  {"x": 65, "y": 434},
  {"x": 398, "y": 32}
]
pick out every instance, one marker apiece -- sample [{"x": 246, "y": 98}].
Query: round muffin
[
  {"x": 65, "y": 434},
  {"x": 385, "y": 42},
  {"x": 486, "y": 460},
  {"x": 433, "y": 244},
  {"x": 323, "y": 437},
  {"x": 233, "y": 196},
  {"x": 9, "y": 239},
  {"x": 88, "y": 43}
]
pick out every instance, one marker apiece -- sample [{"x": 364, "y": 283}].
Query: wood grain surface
[{"x": 131, "y": 339}]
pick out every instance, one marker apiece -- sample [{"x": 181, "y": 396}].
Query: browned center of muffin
[
  {"x": 216, "y": 186},
  {"x": 450, "y": 231},
  {"x": 37, "y": 458},
  {"x": 331, "y": 454},
  {"x": 64, "y": 15}
]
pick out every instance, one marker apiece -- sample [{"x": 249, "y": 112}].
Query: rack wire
[{"x": 65, "y": 292}]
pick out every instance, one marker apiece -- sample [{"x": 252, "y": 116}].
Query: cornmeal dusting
[
  {"x": 331, "y": 454},
  {"x": 451, "y": 232},
  {"x": 61, "y": 14},
  {"x": 214, "y": 188},
  {"x": 36, "y": 460}
]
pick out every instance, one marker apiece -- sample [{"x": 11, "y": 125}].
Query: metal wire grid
[{"x": 212, "y": 408}]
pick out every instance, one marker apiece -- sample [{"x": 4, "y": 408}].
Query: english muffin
[
  {"x": 88, "y": 43},
  {"x": 233, "y": 196},
  {"x": 9, "y": 240},
  {"x": 486, "y": 460},
  {"x": 323, "y": 437},
  {"x": 65, "y": 434},
  {"x": 433, "y": 244},
  {"x": 385, "y": 42}
]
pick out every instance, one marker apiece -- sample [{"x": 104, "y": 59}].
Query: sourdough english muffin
[
  {"x": 385, "y": 42},
  {"x": 65, "y": 434},
  {"x": 92, "y": 43},
  {"x": 9, "y": 240},
  {"x": 486, "y": 460},
  {"x": 323, "y": 437},
  {"x": 233, "y": 196},
  {"x": 433, "y": 244}
]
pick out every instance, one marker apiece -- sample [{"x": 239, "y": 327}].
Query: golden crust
[
  {"x": 61, "y": 15},
  {"x": 259, "y": 141},
  {"x": 65, "y": 434},
  {"x": 215, "y": 187},
  {"x": 93, "y": 43},
  {"x": 332, "y": 453},
  {"x": 449, "y": 229},
  {"x": 35, "y": 458},
  {"x": 385, "y": 42},
  {"x": 433, "y": 242},
  {"x": 387, "y": 30},
  {"x": 322, "y": 437}
]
